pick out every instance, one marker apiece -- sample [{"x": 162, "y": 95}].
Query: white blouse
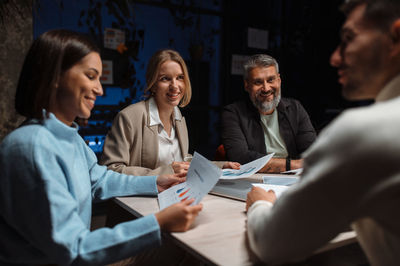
[{"x": 168, "y": 146}]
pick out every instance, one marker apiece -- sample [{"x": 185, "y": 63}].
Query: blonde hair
[{"x": 153, "y": 69}]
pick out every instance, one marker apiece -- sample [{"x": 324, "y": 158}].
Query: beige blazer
[{"x": 131, "y": 146}]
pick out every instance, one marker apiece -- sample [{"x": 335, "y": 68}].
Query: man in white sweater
[{"x": 352, "y": 172}]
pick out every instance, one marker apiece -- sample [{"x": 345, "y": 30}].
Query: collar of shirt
[
  {"x": 58, "y": 128},
  {"x": 390, "y": 91},
  {"x": 155, "y": 117}
]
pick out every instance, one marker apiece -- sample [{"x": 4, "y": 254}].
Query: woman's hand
[
  {"x": 180, "y": 167},
  {"x": 178, "y": 217},
  {"x": 231, "y": 165},
  {"x": 258, "y": 193},
  {"x": 166, "y": 181}
]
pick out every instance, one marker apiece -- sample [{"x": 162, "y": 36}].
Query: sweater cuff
[
  {"x": 148, "y": 185},
  {"x": 258, "y": 203},
  {"x": 256, "y": 226}
]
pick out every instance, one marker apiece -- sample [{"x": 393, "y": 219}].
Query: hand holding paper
[
  {"x": 257, "y": 193},
  {"x": 278, "y": 184},
  {"x": 246, "y": 170},
  {"x": 166, "y": 181},
  {"x": 178, "y": 217},
  {"x": 278, "y": 189},
  {"x": 201, "y": 178}
]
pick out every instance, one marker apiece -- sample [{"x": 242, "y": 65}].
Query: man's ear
[
  {"x": 246, "y": 85},
  {"x": 395, "y": 34},
  {"x": 279, "y": 79}
]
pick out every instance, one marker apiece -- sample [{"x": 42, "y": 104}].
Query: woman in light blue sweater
[{"x": 50, "y": 177}]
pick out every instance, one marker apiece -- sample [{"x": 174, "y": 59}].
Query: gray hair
[{"x": 259, "y": 60}]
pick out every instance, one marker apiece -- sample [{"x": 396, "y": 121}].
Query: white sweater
[{"x": 351, "y": 177}]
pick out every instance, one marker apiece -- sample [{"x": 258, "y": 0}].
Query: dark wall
[
  {"x": 15, "y": 39},
  {"x": 302, "y": 35}
]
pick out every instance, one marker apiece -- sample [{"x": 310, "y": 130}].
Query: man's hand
[
  {"x": 258, "y": 193},
  {"x": 178, "y": 217},
  {"x": 166, "y": 181},
  {"x": 296, "y": 164},
  {"x": 231, "y": 165},
  {"x": 180, "y": 167},
  {"x": 278, "y": 165}
]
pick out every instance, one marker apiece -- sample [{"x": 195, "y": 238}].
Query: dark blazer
[{"x": 243, "y": 136}]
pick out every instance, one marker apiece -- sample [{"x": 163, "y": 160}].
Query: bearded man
[{"x": 266, "y": 123}]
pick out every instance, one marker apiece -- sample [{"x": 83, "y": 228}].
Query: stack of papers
[{"x": 202, "y": 177}]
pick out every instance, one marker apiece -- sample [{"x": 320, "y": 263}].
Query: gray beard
[{"x": 265, "y": 107}]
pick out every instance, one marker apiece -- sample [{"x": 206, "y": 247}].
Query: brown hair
[
  {"x": 379, "y": 13},
  {"x": 153, "y": 69},
  {"x": 50, "y": 55}
]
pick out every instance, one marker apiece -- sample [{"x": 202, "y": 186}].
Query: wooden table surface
[{"x": 218, "y": 235}]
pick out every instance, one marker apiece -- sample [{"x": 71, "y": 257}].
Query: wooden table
[{"x": 218, "y": 235}]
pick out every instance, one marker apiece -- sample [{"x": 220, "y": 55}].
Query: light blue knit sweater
[{"x": 49, "y": 178}]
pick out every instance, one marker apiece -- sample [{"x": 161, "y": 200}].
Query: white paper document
[
  {"x": 282, "y": 181},
  {"x": 201, "y": 178},
  {"x": 294, "y": 171},
  {"x": 278, "y": 189},
  {"x": 247, "y": 169}
]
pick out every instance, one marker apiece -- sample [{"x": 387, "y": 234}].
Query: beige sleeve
[{"x": 117, "y": 149}]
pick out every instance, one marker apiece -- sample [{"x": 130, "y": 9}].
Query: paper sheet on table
[
  {"x": 294, "y": 171},
  {"x": 282, "y": 181},
  {"x": 278, "y": 189},
  {"x": 247, "y": 169},
  {"x": 201, "y": 178}
]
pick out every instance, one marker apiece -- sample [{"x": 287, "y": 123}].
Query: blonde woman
[{"x": 150, "y": 137}]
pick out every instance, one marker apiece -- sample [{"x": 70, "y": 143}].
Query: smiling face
[
  {"x": 361, "y": 58},
  {"x": 264, "y": 87},
  {"x": 77, "y": 89},
  {"x": 170, "y": 86}
]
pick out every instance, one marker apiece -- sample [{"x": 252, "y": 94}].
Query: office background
[{"x": 213, "y": 36}]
